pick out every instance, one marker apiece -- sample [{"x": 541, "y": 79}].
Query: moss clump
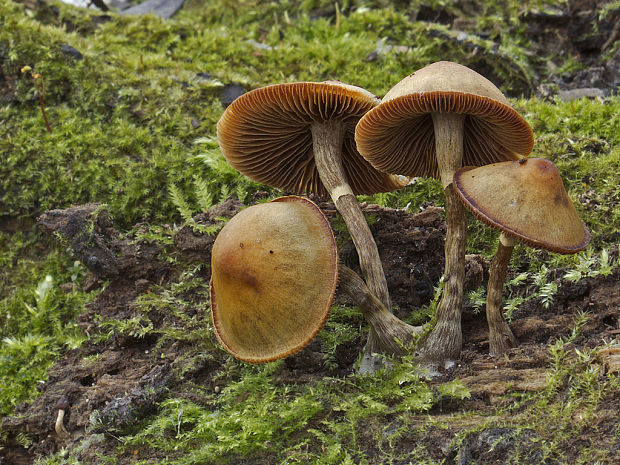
[
  {"x": 124, "y": 115},
  {"x": 40, "y": 301}
]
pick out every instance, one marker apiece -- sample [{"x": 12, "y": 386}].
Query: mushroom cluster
[
  {"x": 300, "y": 137},
  {"x": 429, "y": 124},
  {"x": 332, "y": 139}
]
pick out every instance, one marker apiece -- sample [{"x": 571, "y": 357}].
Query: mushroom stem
[
  {"x": 501, "y": 338},
  {"x": 394, "y": 335},
  {"x": 60, "y": 426},
  {"x": 444, "y": 342},
  {"x": 448, "y": 144},
  {"x": 327, "y": 140}
]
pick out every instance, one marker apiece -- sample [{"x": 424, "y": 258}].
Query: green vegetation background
[{"x": 133, "y": 126}]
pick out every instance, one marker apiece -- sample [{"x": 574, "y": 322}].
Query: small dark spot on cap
[
  {"x": 271, "y": 251},
  {"x": 523, "y": 161},
  {"x": 241, "y": 245}
]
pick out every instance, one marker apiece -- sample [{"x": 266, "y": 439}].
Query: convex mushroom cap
[
  {"x": 398, "y": 136},
  {"x": 266, "y": 135},
  {"x": 274, "y": 269},
  {"x": 525, "y": 199}
]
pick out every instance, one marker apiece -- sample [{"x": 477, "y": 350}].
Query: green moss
[
  {"x": 124, "y": 117},
  {"x": 37, "y": 317},
  {"x": 255, "y": 418},
  {"x": 574, "y": 400}
]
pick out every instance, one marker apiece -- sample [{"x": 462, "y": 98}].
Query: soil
[
  {"x": 123, "y": 382},
  {"x": 576, "y": 30}
]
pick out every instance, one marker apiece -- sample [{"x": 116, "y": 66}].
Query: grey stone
[
  {"x": 500, "y": 446},
  {"x": 573, "y": 94},
  {"x": 161, "y": 8},
  {"x": 69, "y": 51}
]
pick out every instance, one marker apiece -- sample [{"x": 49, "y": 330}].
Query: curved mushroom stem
[
  {"x": 60, "y": 426},
  {"x": 395, "y": 336},
  {"x": 444, "y": 342},
  {"x": 501, "y": 338},
  {"x": 327, "y": 140}
]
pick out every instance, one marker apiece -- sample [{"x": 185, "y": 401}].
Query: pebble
[
  {"x": 574, "y": 94},
  {"x": 69, "y": 51}
]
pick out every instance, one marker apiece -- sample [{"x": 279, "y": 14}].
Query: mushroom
[
  {"x": 526, "y": 201},
  {"x": 62, "y": 405},
  {"x": 429, "y": 124},
  {"x": 299, "y": 137},
  {"x": 274, "y": 270}
]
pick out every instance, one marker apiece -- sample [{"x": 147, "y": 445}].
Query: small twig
[
  {"x": 40, "y": 93},
  {"x": 613, "y": 37}
]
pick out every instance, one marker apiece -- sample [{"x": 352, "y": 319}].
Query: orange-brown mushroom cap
[
  {"x": 525, "y": 199},
  {"x": 265, "y": 134},
  {"x": 397, "y": 136},
  {"x": 274, "y": 270}
]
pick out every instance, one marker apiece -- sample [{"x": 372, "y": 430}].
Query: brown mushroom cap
[
  {"x": 397, "y": 136},
  {"x": 265, "y": 134},
  {"x": 525, "y": 199},
  {"x": 274, "y": 270}
]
